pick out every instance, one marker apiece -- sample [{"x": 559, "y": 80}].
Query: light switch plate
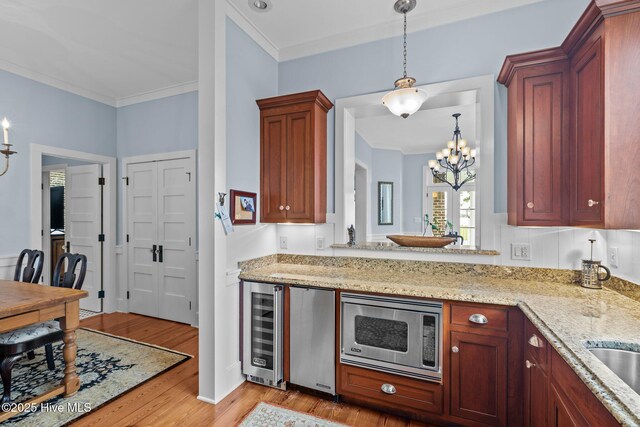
[
  {"x": 612, "y": 257},
  {"x": 320, "y": 243},
  {"x": 283, "y": 242},
  {"x": 521, "y": 251}
]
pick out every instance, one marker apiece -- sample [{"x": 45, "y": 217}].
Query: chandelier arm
[{"x": 6, "y": 165}]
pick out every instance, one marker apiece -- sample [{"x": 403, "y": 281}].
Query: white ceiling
[
  {"x": 296, "y": 28},
  {"x": 114, "y": 51},
  {"x": 426, "y": 131}
]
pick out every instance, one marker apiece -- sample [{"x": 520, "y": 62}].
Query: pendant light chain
[{"x": 405, "y": 45}]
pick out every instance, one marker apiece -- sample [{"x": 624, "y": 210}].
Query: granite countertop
[
  {"x": 389, "y": 246},
  {"x": 566, "y": 314}
]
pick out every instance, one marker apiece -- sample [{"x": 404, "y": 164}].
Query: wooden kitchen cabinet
[
  {"x": 536, "y": 378},
  {"x": 479, "y": 378},
  {"x": 571, "y": 157},
  {"x": 538, "y": 144},
  {"x": 293, "y": 158}
]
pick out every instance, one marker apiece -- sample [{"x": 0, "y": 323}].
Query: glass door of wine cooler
[{"x": 262, "y": 332}]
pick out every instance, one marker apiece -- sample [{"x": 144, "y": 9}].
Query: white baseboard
[{"x": 206, "y": 400}]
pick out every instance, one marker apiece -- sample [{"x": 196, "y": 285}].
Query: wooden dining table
[{"x": 23, "y": 304}]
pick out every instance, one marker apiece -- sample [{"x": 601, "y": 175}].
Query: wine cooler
[{"x": 262, "y": 333}]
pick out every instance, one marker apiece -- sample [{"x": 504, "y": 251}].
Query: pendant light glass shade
[{"x": 404, "y": 102}]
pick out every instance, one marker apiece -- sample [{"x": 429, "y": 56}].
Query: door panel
[
  {"x": 587, "y": 150},
  {"x": 83, "y": 209},
  {"x": 273, "y": 170},
  {"x": 543, "y": 149},
  {"x": 176, "y": 232},
  {"x": 299, "y": 168},
  {"x": 479, "y": 378},
  {"x": 142, "y": 222}
]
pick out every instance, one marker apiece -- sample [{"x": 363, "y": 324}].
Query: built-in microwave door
[
  {"x": 382, "y": 334},
  {"x": 262, "y": 332}
]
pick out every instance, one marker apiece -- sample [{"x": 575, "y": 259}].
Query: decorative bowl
[{"x": 421, "y": 241}]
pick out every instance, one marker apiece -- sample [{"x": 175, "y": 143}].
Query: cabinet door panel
[
  {"x": 543, "y": 149},
  {"x": 479, "y": 378},
  {"x": 273, "y": 168},
  {"x": 299, "y": 166},
  {"x": 535, "y": 394},
  {"x": 587, "y": 142},
  {"x": 562, "y": 413}
]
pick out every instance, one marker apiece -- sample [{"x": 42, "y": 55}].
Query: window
[{"x": 443, "y": 205}]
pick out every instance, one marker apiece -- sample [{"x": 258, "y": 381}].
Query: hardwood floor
[{"x": 170, "y": 399}]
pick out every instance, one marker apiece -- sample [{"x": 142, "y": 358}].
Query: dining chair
[
  {"x": 14, "y": 344},
  {"x": 31, "y": 272}
]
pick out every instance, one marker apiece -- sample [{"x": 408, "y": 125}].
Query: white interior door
[
  {"x": 142, "y": 229},
  {"x": 83, "y": 212},
  {"x": 161, "y": 216},
  {"x": 176, "y": 231}
]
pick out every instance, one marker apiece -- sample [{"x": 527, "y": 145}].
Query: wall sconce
[{"x": 6, "y": 147}]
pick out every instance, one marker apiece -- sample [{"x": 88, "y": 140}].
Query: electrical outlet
[
  {"x": 283, "y": 242},
  {"x": 521, "y": 251},
  {"x": 612, "y": 255},
  {"x": 320, "y": 243}
]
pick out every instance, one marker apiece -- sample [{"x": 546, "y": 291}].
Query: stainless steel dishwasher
[{"x": 312, "y": 338}]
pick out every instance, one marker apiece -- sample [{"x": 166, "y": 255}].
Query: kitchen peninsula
[{"x": 517, "y": 304}]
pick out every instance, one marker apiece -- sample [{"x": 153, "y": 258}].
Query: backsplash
[{"x": 551, "y": 247}]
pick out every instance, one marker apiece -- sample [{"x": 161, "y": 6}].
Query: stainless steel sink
[{"x": 624, "y": 363}]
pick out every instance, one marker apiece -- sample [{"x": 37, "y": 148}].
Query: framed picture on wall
[{"x": 243, "y": 207}]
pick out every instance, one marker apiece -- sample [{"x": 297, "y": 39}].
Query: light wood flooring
[{"x": 170, "y": 399}]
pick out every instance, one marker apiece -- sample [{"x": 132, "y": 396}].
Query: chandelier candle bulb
[
  {"x": 433, "y": 164},
  {"x": 451, "y": 145},
  {"x": 463, "y": 143},
  {"x": 439, "y": 155},
  {"x": 473, "y": 153},
  {"x": 5, "y": 126}
]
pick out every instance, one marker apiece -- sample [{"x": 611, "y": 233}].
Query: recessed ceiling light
[{"x": 260, "y": 5}]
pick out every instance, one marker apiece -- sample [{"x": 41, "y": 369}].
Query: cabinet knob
[
  {"x": 528, "y": 364},
  {"x": 592, "y": 203},
  {"x": 480, "y": 319},
  {"x": 455, "y": 349},
  {"x": 281, "y": 208},
  {"x": 287, "y": 207},
  {"x": 388, "y": 389},
  {"x": 530, "y": 205}
]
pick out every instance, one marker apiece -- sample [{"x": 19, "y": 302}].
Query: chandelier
[
  {"x": 404, "y": 100},
  {"x": 457, "y": 158},
  {"x": 6, "y": 147}
]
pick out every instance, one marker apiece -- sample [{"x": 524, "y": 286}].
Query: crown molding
[
  {"x": 56, "y": 83},
  {"x": 252, "y": 31},
  {"x": 464, "y": 10},
  {"x": 158, "y": 94}
]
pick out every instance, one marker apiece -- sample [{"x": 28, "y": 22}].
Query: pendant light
[{"x": 404, "y": 100}]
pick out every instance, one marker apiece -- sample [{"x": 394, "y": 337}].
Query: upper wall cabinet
[
  {"x": 572, "y": 109},
  {"x": 293, "y": 158}
]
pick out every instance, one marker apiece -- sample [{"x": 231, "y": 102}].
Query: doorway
[
  {"x": 160, "y": 221},
  {"x": 79, "y": 188},
  {"x": 363, "y": 208}
]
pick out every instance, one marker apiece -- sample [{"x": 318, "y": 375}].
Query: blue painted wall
[
  {"x": 43, "y": 115},
  {"x": 464, "y": 49},
  {"x": 251, "y": 74}
]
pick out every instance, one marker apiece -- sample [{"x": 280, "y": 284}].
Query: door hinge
[
  {"x": 189, "y": 305},
  {"x": 127, "y": 238},
  {"x": 41, "y": 232},
  {"x": 100, "y": 237},
  {"x": 42, "y": 186},
  {"x": 189, "y": 241},
  {"x": 126, "y": 180},
  {"x": 189, "y": 173},
  {"x": 127, "y": 294},
  {"x": 101, "y": 181},
  {"x": 100, "y": 294}
]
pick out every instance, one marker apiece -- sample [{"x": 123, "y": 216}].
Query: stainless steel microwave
[{"x": 396, "y": 335}]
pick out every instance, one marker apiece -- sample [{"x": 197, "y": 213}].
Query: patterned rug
[
  {"x": 108, "y": 367},
  {"x": 265, "y": 415}
]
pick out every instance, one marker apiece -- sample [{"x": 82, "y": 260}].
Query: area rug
[
  {"x": 108, "y": 367},
  {"x": 265, "y": 415}
]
